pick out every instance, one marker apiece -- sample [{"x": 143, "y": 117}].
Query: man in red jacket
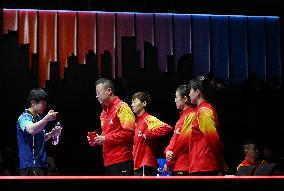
[
  {"x": 251, "y": 152},
  {"x": 117, "y": 123}
]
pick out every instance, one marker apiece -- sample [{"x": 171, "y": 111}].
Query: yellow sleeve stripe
[
  {"x": 186, "y": 127},
  {"x": 206, "y": 120},
  {"x": 153, "y": 123},
  {"x": 126, "y": 117}
]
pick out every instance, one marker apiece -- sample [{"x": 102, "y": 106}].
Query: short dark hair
[
  {"x": 37, "y": 95},
  {"x": 249, "y": 142},
  {"x": 143, "y": 96},
  {"x": 106, "y": 82}
]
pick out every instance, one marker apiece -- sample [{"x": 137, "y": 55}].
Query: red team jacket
[
  {"x": 117, "y": 122},
  {"x": 180, "y": 140},
  {"x": 205, "y": 147},
  {"x": 147, "y": 129},
  {"x": 248, "y": 163}
]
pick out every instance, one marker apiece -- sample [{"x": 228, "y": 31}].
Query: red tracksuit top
[
  {"x": 117, "y": 122},
  {"x": 147, "y": 129},
  {"x": 180, "y": 140},
  {"x": 205, "y": 147},
  {"x": 248, "y": 163}
]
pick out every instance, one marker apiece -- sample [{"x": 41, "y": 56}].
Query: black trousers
[
  {"x": 120, "y": 169},
  {"x": 207, "y": 173},
  {"x": 31, "y": 171},
  {"x": 148, "y": 171}
]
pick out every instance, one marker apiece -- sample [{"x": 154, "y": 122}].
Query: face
[
  {"x": 194, "y": 95},
  {"x": 252, "y": 151},
  {"x": 103, "y": 94},
  {"x": 39, "y": 107},
  {"x": 137, "y": 106},
  {"x": 180, "y": 101}
]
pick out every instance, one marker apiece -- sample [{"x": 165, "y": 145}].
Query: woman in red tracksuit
[
  {"x": 177, "y": 151},
  {"x": 205, "y": 147},
  {"x": 147, "y": 129}
]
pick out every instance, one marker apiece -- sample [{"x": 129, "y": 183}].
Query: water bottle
[{"x": 55, "y": 138}]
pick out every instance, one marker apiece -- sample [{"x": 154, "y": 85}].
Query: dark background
[{"x": 250, "y": 110}]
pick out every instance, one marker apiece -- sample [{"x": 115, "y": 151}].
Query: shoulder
[
  {"x": 150, "y": 118},
  {"x": 122, "y": 106},
  {"x": 25, "y": 116},
  {"x": 191, "y": 112},
  {"x": 188, "y": 117},
  {"x": 38, "y": 117},
  {"x": 204, "y": 110},
  {"x": 118, "y": 103},
  {"x": 124, "y": 111}
]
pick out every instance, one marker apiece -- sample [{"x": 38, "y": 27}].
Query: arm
[
  {"x": 168, "y": 151},
  {"x": 127, "y": 121},
  {"x": 156, "y": 128},
  {"x": 183, "y": 140},
  {"x": 120, "y": 137},
  {"x": 48, "y": 136},
  {"x": 33, "y": 128},
  {"x": 172, "y": 141},
  {"x": 208, "y": 126},
  {"x": 54, "y": 132}
]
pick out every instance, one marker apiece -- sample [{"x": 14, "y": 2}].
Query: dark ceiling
[{"x": 247, "y": 7}]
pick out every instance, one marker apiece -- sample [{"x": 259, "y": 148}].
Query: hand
[
  {"x": 51, "y": 115},
  {"x": 91, "y": 143},
  {"x": 165, "y": 169},
  {"x": 100, "y": 139},
  {"x": 169, "y": 155},
  {"x": 91, "y": 138}
]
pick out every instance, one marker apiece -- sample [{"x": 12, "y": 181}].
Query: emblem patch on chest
[{"x": 177, "y": 131}]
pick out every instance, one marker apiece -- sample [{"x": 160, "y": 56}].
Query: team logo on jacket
[
  {"x": 110, "y": 122},
  {"x": 177, "y": 131},
  {"x": 139, "y": 133}
]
